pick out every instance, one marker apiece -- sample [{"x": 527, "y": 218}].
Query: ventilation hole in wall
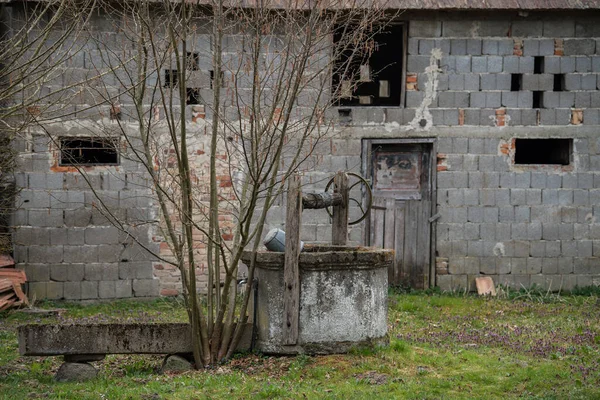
[
  {"x": 515, "y": 82},
  {"x": 344, "y": 116},
  {"x": 543, "y": 151},
  {"x": 170, "y": 78},
  {"x": 192, "y": 96},
  {"x": 537, "y": 99},
  {"x": 538, "y": 64},
  {"x": 559, "y": 80},
  {"x": 88, "y": 151}
]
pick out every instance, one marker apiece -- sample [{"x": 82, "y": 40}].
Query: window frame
[{"x": 112, "y": 141}]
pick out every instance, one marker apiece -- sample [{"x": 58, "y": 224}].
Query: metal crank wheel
[{"x": 355, "y": 181}]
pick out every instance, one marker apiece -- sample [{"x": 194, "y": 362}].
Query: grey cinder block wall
[
  {"x": 521, "y": 224},
  {"x": 63, "y": 235},
  {"x": 503, "y": 77},
  {"x": 495, "y": 81}
]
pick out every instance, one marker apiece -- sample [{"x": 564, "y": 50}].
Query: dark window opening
[
  {"x": 193, "y": 61},
  {"x": 516, "y": 81},
  {"x": 374, "y": 79},
  {"x": 88, "y": 151},
  {"x": 170, "y": 78},
  {"x": 543, "y": 151},
  {"x": 538, "y": 64},
  {"x": 537, "y": 99},
  {"x": 192, "y": 96},
  {"x": 559, "y": 80}
]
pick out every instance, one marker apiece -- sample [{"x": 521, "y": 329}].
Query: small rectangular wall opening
[
  {"x": 193, "y": 96},
  {"x": 538, "y": 65},
  {"x": 559, "y": 80},
  {"x": 88, "y": 151},
  {"x": 515, "y": 82},
  {"x": 170, "y": 78},
  {"x": 345, "y": 116},
  {"x": 543, "y": 151},
  {"x": 537, "y": 99}
]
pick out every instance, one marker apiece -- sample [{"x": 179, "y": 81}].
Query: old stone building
[{"x": 480, "y": 134}]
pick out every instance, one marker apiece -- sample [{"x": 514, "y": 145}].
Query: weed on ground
[{"x": 523, "y": 344}]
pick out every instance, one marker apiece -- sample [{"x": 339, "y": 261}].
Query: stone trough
[
  {"x": 81, "y": 344},
  {"x": 101, "y": 339},
  {"x": 343, "y": 299}
]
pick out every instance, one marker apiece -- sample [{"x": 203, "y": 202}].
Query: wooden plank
[
  {"x": 13, "y": 274},
  {"x": 410, "y": 241},
  {"x": 389, "y": 232},
  {"x": 421, "y": 267},
  {"x": 19, "y": 292},
  {"x": 5, "y": 284},
  {"x": 291, "y": 273},
  {"x": 377, "y": 221},
  {"x": 433, "y": 226},
  {"x": 6, "y": 296},
  {"x": 6, "y": 304},
  {"x": 389, "y": 225},
  {"x": 399, "y": 211},
  {"x": 366, "y": 167},
  {"x": 6, "y": 300},
  {"x": 339, "y": 228},
  {"x": 6, "y": 261}
]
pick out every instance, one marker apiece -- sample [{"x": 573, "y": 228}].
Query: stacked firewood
[{"x": 11, "y": 279}]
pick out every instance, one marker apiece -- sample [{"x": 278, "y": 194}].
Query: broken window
[
  {"x": 376, "y": 78},
  {"x": 543, "y": 151},
  {"x": 88, "y": 151}
]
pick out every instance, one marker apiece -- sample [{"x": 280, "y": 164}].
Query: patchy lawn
[{"x": 534, "y": 346}]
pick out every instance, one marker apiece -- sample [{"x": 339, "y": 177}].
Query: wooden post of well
[
  {"x": 339, "y": 229},
  {"x": 291, "y": 272}
]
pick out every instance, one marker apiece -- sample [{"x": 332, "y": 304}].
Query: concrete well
[{"x": 343, "y": 299}]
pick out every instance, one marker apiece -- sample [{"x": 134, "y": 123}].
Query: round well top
[{"x": 318, "y": 256}]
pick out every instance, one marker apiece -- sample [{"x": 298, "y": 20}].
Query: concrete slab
[{"x": 55, "y": 340}]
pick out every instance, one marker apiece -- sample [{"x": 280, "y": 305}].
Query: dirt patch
[
  {"x": 372, "y": 378},
  {"x": 274, "y": 367}
]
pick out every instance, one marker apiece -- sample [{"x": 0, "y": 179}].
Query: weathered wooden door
[{"x": 402, "y": 180}]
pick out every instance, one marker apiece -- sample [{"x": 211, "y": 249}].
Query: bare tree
[{"x": 219, "y": 103}]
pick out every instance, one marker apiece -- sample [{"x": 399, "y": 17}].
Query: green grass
[{"x": 526, "y": 345}]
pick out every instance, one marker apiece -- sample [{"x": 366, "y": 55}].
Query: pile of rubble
[{"x": 11, "y": 279}]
